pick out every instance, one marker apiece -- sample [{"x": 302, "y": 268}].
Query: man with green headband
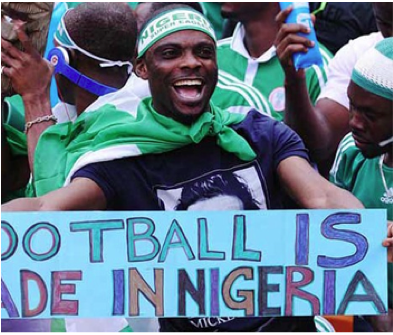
[
  {"x": 230, "y": 93},
  {"x": 364, "y": 161},
  {"x": 178, "y": 137}
]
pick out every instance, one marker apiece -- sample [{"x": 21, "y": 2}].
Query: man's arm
[
  {"x": 321, "y": 127},
  {"x": 81, "y": 194},
  {"x": 311, "y": 190},
  {"x": 30, "y": 75}
]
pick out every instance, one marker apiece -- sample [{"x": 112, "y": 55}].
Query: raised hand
[
  {"x": 29, "y": 73},
  {"x": 288, "y": 43}
]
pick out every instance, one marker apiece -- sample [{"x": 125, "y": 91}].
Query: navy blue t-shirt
[{"x": 162, "y": 182}]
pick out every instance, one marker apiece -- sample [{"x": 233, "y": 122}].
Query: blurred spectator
[
  {"x": 15, "y": 170},
  {"x": 250, "y": 55},
  {"x": 364, "y": 161},
  {"x": 339, "y": 22},
  {"x": 322, "y": 127}
]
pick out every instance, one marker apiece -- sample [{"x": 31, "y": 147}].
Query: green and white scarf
[{"x": 121, "y": 127}]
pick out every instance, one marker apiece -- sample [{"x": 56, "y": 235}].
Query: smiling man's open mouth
[{"x": 189, "y": 88}]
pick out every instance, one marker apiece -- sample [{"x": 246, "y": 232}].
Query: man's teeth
[{"x": 189, "y": 83}]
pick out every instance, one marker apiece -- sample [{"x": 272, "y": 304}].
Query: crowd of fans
[{"x": 126, "y": 104}]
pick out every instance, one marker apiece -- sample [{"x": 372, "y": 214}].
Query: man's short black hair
[
  {"x": 193, "y": 5},
  {"x": 225, "y": 183},
  {"x": 160, "y": 7},
  {"x": 105, "y": 29}
]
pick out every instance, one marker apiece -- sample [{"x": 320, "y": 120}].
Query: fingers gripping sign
[
  {"x": 388, "y": 242},
  {"x": 30, "y": 74}
]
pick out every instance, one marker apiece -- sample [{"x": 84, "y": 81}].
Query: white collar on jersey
[{"x": 238, "y": 46}]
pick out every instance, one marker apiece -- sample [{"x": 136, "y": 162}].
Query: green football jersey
[
  {"x": 266, "y": 73},
  {"x": 364, "y": 178},
  {"x": 212, "y": 11},
  {"x": 237, "y": 97}
]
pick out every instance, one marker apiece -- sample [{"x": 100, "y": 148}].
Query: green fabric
[
  {"x": 370, "y": 85},
  {"x": 127, "y": 329},
  {"x": 17, "y": 140},
  {"x": 322, "y": 325},
  {"x": 73, "y": 4},
  {"x": 15, "y": 112},
  {"x": 60, "y": 146},
  {"x": 362, "y": 178},
  {"x": 237, "y": 97},
  {"x": 212, "y": 11},
  {"x": 62, "y": 37},
  {"x": 14, "y": 124},
  {"x": 385, "y": 47},
  {"x": 14, "y": 195},
  {"x": 268, "y": 76},
  {"x": 374, "y": 71},
  {"x": 29, "y": 191},
  {"x": 321, "y": 8},
  {"x": 58, "y": 326}
]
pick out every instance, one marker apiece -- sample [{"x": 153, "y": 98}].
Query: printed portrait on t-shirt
[
  {"x": 231, "y": 190},
  {"x": 219, "y": 190}
]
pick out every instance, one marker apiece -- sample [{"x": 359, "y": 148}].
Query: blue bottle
[{"x": 301, "y": 14}]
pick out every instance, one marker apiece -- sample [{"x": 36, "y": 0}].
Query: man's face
[
  {"x": 384, "y": 17},
  {"x": 182, "y": 73},
  {"x": 242, "y": 10},
  {"x": 371, "y": 120}
]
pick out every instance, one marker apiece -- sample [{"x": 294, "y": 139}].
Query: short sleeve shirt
[
  {"x": 363, "y": 178},
  {"x": 155, "y": 182}
]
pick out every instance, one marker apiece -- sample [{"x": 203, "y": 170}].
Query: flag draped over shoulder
[{"x": 123, "y": 126}]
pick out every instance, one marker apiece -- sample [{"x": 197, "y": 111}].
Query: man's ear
[{"x": 141, "y": 69}]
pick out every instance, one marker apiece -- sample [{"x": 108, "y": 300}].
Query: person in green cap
[
  {"x": 364, "y": 160},
  {"x": 178, "y": 136},
  {"x": 324, "y": 124}
]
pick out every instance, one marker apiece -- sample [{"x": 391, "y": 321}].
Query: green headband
[
  {"x": 170, "y": 22},
  {"x": 374, "y": 71}
]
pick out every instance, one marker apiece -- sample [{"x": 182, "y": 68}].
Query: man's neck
[
  {"x": 261, "y": 33},
  {"x": 84, "y": 98}
]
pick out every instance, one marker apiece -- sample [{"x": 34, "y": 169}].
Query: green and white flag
[{"x": 120, "y": 125}]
